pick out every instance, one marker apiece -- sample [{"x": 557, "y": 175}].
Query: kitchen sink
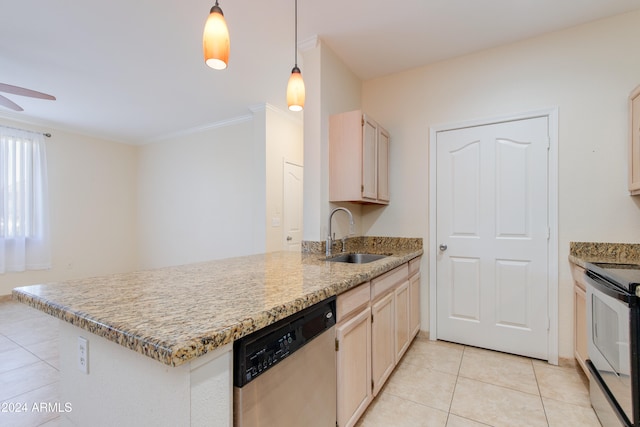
[{"x": 356, "y": 258}]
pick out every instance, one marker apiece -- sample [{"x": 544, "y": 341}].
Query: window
[{"x": 24, "y": 213}]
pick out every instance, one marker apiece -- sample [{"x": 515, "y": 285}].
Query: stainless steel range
[{"x": 613, "y": 325}]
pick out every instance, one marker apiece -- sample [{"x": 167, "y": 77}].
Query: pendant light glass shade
[
  {"x": 295, "y": 90},
  {"x": 215, "y": 40},
  {"x": 295, "y": 87}
]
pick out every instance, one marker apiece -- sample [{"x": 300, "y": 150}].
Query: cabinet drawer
[
  {"x": 352, "y": 300},
  {"x": 414, "y": 266},
  {"x": 380, "y": 285},
  {"x": 577, "y": 273}
]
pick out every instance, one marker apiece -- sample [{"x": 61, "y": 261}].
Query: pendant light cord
[{"x": 295, "y": 47}]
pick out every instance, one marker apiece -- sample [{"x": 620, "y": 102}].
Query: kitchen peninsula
[{"x": 186, "y": 319}]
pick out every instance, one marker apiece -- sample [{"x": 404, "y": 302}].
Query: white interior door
[
  {"x": 292, "y": 193},
  {"x": 492, "y": 232}
]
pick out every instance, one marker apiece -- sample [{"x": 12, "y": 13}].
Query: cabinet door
[
  {"x": 369, "y": 159},
  {"x": 580, "y": 321},
  {"x": 414, "y": 305},
  {"x": 402, "y": 310},
  {"x": 383, "y": 164},
  {"x": 353, "y": 368},
  {"x": 383, "y": 340}
]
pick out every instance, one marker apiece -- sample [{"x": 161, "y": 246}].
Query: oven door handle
[{"x": 608, "y": 289}]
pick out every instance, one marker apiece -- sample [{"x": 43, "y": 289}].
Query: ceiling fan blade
[
  {"x": 17, "y": 90},
  {"x": 6, "y": 102}
]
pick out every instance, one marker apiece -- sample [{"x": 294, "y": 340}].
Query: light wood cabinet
[
  {"x": 402, "y": 315},
  {"x": 353, "y": 361},
  {"x": 383, "y": 356},
  {"x": 580, "y": 317},
  {"x": 414, "y": 309},
  {"x": 634, "y": 142},
  {"x": 389, "y": 322},
  {"x": 414, "y": 297},
  {"x": 358, "y": 159},
  {"x": 376, "y": 323},
  {"x": 384, "y": 141}
]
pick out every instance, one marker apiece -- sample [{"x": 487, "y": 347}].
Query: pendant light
[
  {"x": 295, "y": 87},
  {"x": 215, "y": 40}
]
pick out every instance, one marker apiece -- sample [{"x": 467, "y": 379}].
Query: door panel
[
  {"x": 512, "y": 192},
  {"x": 512, "y": 293},
  {"x": 465, "y": 170},
  {"x": 492, "y": 227},
  {"x": 465, "y": 289}
]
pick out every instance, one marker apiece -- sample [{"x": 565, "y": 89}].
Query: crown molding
[
  {"x": 308, "y": 43},
  {"x": 201, "y": 128}
]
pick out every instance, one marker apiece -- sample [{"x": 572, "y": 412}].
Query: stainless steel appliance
[
  {"x": 285, "y": 374},
  {"x": 613, "y": 325}
]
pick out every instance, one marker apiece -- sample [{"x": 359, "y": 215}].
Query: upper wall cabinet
[
  {"x": 358, "y": 159},
  {"x": 634, "y": 142}
]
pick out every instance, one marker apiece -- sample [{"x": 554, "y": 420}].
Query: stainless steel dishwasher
[{"x": 285, "y": 374}]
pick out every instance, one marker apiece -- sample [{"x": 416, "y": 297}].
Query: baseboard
[
  {"x": 423, "y": 334},
  {"x": 567, "y": 362},
  {"x": 6, "y": 298}
]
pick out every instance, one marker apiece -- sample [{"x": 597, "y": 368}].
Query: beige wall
[
  {"x": 587, "y": 72},
  {"x": 331, "y": 88},
  {"x": 197, "y": 197},
  {"x": 92, "y": 195},
  {"x": 213, "y": 194},
  {"x": 205, "y": 195}
]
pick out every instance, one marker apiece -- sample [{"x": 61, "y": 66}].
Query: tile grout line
[
  {"x": 40, "y": 360},
  {"x": 453, "y": 394},
  {"x": 544, "y": 410}
]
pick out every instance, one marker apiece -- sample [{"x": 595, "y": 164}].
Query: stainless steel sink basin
[{"x": 357, "y": 258}]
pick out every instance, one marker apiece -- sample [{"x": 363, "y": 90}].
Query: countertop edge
[{"x": 176, "y": 354}]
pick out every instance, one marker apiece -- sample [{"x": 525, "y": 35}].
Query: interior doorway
[{"x": 293, "y": 206}]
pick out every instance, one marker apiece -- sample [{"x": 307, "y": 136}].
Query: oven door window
[
  {"x": 607, "y": 335},
  {"x": 609, "y": 346}
]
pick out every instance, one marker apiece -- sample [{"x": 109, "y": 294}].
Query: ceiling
[{"x": 132, "y": 71}]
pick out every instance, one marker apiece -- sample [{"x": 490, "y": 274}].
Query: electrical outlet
[{"x": 83, "y": 355}]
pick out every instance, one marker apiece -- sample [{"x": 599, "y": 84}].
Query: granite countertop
[
  {"x": 175, "y": 314},
  {"x": 618, "y": 253}
]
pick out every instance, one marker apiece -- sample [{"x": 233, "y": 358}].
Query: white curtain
[{"x": 24, "y": 210}]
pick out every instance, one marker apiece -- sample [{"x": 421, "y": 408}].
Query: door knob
[
  {"x": 443, "y": 247},
  {"x": 289, "y": 238}
]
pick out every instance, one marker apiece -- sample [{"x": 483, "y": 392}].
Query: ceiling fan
[{"x": 17, "y": 90}]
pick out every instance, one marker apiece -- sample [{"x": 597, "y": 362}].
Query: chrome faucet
[{"x": 329, "y": 238}]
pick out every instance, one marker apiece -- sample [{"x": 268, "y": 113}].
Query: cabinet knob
[
  {"x": 289, "y": 238},
  {"x": 443, "y": 247}
]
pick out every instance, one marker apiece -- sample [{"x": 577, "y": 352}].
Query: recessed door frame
[
  {"x": 552, "y": 116},
  {"x": 285, "y": 195}
]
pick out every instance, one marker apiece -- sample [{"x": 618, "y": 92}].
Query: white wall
[
  {"x": 331, "y": 88},
  {"x": 587, "y": 72},
  {"x": 197, "y": 197},
  {"x": 92, "y": 195}
]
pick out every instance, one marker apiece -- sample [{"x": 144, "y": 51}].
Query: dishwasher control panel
[{"x": 256, "y": 353}]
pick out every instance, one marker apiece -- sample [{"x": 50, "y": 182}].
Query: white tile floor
[
  {"x": 437, "y": 384},
  {"x": 28, "y": 366},
  {"x": 440, "y": 384}
]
